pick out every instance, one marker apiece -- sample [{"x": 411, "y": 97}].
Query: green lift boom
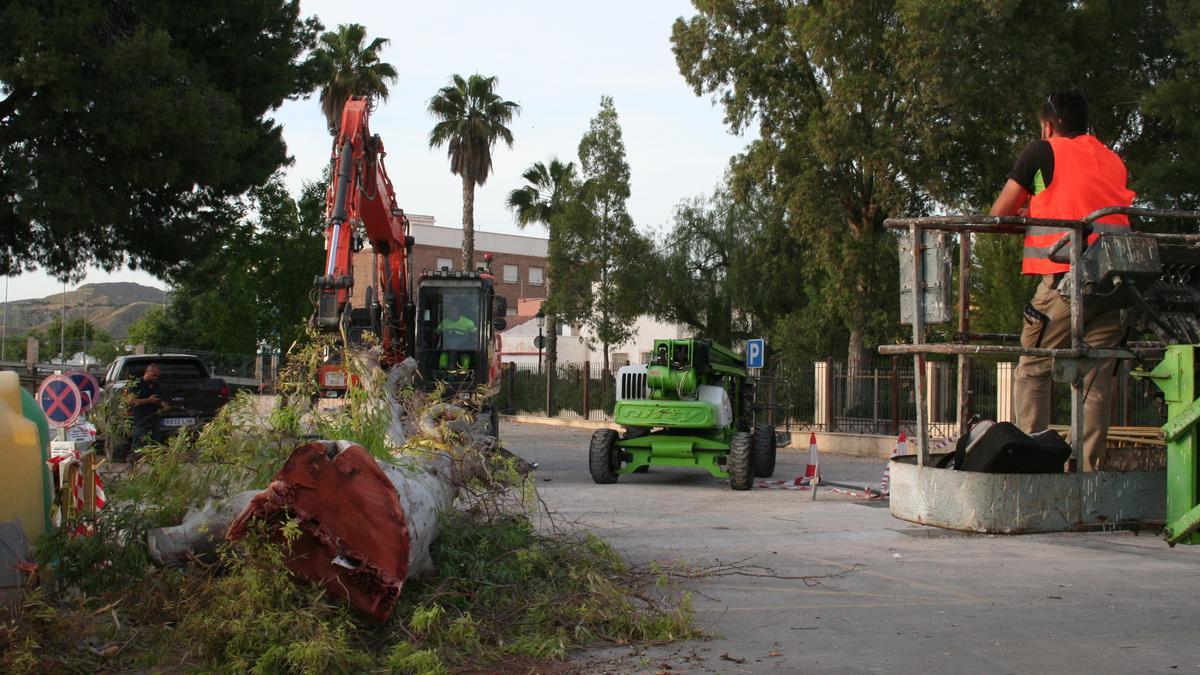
[
  {"x": 1175, "y": 375},
  {"x": 692, "y": 407}
]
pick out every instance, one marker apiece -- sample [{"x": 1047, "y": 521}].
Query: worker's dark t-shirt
[
  {"x": 144, "y": 389},
  {"x": 1035, "y": 167}
]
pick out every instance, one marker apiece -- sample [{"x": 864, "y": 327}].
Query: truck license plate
[
  {"x": 335, "y": 378},
  {"x": 178, "y": 421}
]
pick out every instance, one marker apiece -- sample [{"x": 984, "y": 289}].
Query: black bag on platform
[{"x": 1000, "y": 447}]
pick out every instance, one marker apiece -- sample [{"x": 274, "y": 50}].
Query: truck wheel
[
  {"x": 603, "y": 457},
  {"x": 738, "y": 462},
  {"x": 764, "y": 451}
]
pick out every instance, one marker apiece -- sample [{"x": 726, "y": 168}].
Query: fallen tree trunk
[
  {"x": 200, "y": 533},
  {"x": 364, "y": 527},
  {"x": 362, "y": 530}
]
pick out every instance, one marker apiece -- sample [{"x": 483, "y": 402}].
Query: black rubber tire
[
  {"x": 737, "y": 463},
  {"x": 764, "y": 451},
  {"x": 603, "y": 458}
]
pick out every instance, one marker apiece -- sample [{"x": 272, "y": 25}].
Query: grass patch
[{"x": 501, "y": 590}]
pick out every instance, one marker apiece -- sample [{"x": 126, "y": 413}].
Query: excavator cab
[{"x": 455, "y": 328}]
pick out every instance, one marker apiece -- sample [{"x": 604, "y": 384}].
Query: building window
[
  {"x": 535, "y": 276},
  {"x": 445, "y": 263},
  {"x": 510, "y": 274}
]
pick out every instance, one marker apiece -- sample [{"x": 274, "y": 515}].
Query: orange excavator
[{"x": 451, "y": 324}]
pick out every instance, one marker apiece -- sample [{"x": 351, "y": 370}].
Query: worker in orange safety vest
[{"x": 1067, "y": 175}]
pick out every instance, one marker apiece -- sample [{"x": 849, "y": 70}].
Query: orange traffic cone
[
  {"x": 901, "y": 448},
  {"x": 812, "y": 470}
]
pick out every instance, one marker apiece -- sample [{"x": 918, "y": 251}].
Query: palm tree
[
  {"x": 538, "y": 202},
  {"x": 346, "y": 68},
  {"x": 471, "y": 117}
]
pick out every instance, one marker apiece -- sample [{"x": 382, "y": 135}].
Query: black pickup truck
[{"x": 193, "y": 397}]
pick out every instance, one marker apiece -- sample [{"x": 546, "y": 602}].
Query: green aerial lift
[{"x": 690, "y": 407}]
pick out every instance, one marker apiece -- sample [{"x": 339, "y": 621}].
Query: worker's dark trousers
[
  {"x": 1033, "y": 372},
  {"x": 143, "y": 435}
]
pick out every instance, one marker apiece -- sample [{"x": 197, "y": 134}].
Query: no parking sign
[
  {"x": 61, "y": 400},
  {"x": 89, "y": 387}
]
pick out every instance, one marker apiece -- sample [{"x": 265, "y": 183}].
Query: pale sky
[{"x": 555, "y": 59}]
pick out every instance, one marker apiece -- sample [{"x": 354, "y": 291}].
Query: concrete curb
[
  {"x": 866, "y": 446},
  {"x": 560, "y": 422}
]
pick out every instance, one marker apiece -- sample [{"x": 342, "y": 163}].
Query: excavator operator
[
  {"x": 457, "y": 333},
  {"x": 455, "y": 321}
]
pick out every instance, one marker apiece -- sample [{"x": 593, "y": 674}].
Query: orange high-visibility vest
[{"x": 1087, "y": 177}]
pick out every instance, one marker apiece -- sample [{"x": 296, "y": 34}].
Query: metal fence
[
  {"x": 876, "y": 398},
  {"x": 581, "y": 391}
]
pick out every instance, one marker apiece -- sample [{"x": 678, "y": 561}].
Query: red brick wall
[{"x": 425, "y": 258}]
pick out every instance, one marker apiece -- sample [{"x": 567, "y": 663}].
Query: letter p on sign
[{"x": 754, "y": 353}]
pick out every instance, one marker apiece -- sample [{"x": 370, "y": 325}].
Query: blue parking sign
[{"x": 755, "y": 353}]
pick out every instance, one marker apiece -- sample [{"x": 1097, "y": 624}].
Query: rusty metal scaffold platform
[{"x": 1016, "y": 502}]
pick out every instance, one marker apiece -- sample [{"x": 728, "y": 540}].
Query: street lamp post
[{"x": 541, "y": 339}]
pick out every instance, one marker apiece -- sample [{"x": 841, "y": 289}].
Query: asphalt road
[{"x": 881, "y": 595}]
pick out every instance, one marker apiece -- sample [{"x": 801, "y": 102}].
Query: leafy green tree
[
  {"x": 999, "y": 291},
  {"x": 597, "y": 236},
  {"x": 345, "y": 67},
  {"x": 128, "y": 131},
  {"x": 872, "y": 108},
  {"x": 254, "y": 292},
  {"x": 79, "y": 336},
  {"x": 471, "y": 117},
  {"x": 153, "y": 331},
  {"x": 727, "y": 268},
  {"x": 545, "y": 190},
  {"x": 543, "y": 198},
  {"x": 1164, "y": 173},
  {"x": 820, "y": 81},
  {"x": 13, "y": 348}
]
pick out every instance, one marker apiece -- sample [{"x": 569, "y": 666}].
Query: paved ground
[{"x": 903, "y": 598}]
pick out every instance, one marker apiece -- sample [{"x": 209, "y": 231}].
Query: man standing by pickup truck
[{"x": 145, "y": 404}]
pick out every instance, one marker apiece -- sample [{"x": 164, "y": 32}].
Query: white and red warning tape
[
  {"x": 812, "y": 471},
  {"x": 59, "y": 464}
]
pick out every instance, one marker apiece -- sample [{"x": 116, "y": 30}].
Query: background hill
[{"x": 112, "y": 307}]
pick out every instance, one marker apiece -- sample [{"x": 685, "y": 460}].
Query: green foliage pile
[{"x": 503, "y": 590}]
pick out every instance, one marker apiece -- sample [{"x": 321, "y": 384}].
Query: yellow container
[{"x": 23, "y": 471}]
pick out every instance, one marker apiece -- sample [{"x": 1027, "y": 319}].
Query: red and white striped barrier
[
  {"x": 797, "y": 483},
  {"x": 60, "y": 465}
]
